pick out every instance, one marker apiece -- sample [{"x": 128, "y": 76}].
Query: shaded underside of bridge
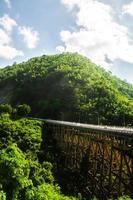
[{"x": 101, "y": 155}]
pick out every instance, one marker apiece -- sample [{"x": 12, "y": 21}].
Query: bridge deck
[
  {"x": 123, "y": 131},
  {"x": 119, "y": 131},
  {"x": 91, "y": 126}
]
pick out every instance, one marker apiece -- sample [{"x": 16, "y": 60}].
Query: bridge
[{"x": 102, "y": 155}]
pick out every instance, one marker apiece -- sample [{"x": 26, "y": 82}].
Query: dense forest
[{"x": 69, "y": 87}]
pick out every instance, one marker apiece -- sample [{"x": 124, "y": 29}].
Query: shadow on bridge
[{"x": 95, "y": 160}]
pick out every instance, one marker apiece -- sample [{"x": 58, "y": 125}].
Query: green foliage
[
  {"x": 2, "y": 195},
  {"x": 26, "y": 133},
  {"x": 124, "y": 198},
  {"x": 5, "y": 108},
  {"x": 47, "y": 192},
  {"x": 14, "y": 171},
  {"x": 22, "y": 176},
  {"x": 70, "y": 87},
  {"x": 23, "y": 110},
  {"x": 23, "y": 179},
  {"x": 41, "y": 172}
]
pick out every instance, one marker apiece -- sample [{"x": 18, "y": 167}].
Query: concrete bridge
[{"x": 103, "y": 155}]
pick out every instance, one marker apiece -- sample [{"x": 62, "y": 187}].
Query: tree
[
  {"x": 14, "y": 171},
  {"x": 26, "y": 133},
  {"x": 23, "y": 179}
]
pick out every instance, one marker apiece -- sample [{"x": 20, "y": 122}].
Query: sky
[{"x": 101, "y": 30}]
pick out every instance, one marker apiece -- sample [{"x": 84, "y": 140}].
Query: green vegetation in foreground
[
  {"x": 70, "y": 87},
  {"x": 22, "y": 176}
]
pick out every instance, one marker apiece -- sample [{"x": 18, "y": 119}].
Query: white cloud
[
  {"x": 70, "y": 3},
  {"x": 4, "y": 38},
  {"x": 128, "y": 9},
  {"x": 100, "y": 37},
  {"x": 8, "y": 3},
  {"x": 7, "y": 23},
  {"x": 7, "y": 51},
  {"x": 60, "y": 49},
  {"x": 30, "y": 36}
]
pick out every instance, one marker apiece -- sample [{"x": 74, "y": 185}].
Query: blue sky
[{"x": 102, "y": 30}]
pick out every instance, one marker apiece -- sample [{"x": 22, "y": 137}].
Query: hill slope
[{"x": 70, "y": 87}]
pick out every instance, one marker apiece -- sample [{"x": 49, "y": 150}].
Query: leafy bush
[
  {"x": 46, "y": 192},
  {"x": 5, "y": 108},
  {"x": 23, "y": 179},
  {"x": 23, "y": 110},
  {"x": 26, "y": 133}
]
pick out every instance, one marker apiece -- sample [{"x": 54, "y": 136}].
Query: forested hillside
[{"x": 70, "y": 87}]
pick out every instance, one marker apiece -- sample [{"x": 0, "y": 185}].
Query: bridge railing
[{"x": 112, "y": 130}]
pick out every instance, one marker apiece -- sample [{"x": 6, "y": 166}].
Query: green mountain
[{"x": 70, "y": 87}]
